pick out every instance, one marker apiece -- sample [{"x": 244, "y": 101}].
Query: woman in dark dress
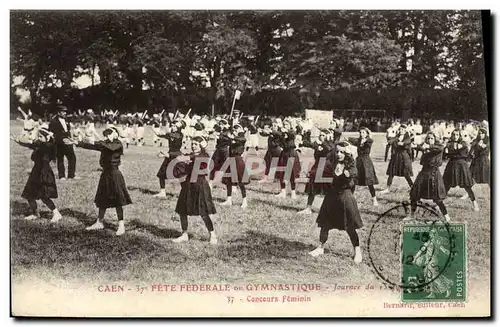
[
  {"x": 195, "y": 198},
  {"x": 340, "y": 209},
  {"x": 480, "y": 164},
  {"x": 287, "y": 142},
  {"x": 112, "y": 191},
  {"x": 429, "y": 183},
  {"x": 221, "y": 152},
  {"x": 140, "y": 131},
  {"x": 174, "y": 137},
  {"x": 400, "y": 162},
  {"x": 273, "y": 148},
  {"x": 364, "y": 165},
  {"x": 41, "y": 184},
  {"x": 322, "y": 165},
  {"x": 457, "y": 172},
  {"x": 238, "y": 177},
  {"x": 335, "y": 130}
]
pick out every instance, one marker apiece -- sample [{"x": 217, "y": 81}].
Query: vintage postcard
[{"x": 250, "y": 163}]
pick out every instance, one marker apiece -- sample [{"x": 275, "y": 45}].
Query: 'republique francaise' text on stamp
[{"x": 433, "y": 260}]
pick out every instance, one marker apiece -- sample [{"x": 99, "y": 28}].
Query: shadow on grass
[
  {"x": 257, "y": 246},
  {"x": 166, "y": 233},
  {"x": 371, "y": 211},
  {"x": 59, "y": 250},
  {"x": 264, "y": 191},
  {"x": 19, "y": 208},
  {"x": 219, "y": 199},
  {"x": 389, "y": 200},
  {"x": 149, "y": 192},
  {"x": 88, "y": 219},
  {"x": 274, "y": 203}
]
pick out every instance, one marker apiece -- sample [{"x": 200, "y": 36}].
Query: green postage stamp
[{"x": 434, "y": 262}]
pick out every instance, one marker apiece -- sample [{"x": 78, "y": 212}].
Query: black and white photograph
[{"x": 250, "y": 163}]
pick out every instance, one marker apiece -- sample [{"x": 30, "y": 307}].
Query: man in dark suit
[{"x": 64, "y": 147}]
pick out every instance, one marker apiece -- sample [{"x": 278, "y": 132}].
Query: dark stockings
[
  {"x": 206, "y": 220},
  {"x": 34, "y": 207},
  {"x": 351, "y": 232}
]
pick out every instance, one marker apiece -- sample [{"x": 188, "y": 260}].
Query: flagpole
[{"x": 234, "y": 101}]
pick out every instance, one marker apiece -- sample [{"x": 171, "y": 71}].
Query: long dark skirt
[
  {"x": 218, "y": 158},
  {"x": 400, "y": 164},
  {"x": 316, "y": 186},
  {"x": 285, "y": 156},
  {"x": 195, "y": 199},
  {"x": 366, "y": 171},
  {"x": 162, "y": 172},
  {"x": 41, "y": 184},
  {"x": 271, "y": 153},
  {"x": 112, "y": 190},
  {"x": 457, "y": 173},
  {"x": 339, "y": 211},
  {"x": 240, "y": 172},
  {"x": 480, "y": 170},
  {"x": 429, "y": 184}
]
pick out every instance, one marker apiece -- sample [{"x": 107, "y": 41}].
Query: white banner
[{"x": 320, "y": 118}]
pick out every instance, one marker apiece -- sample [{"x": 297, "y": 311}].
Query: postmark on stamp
[
  {"x": 434, "y": 262},
  {"x": 385, "y": 246}
]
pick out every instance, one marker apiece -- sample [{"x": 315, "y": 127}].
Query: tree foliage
[{"x": 186, "y": 58}]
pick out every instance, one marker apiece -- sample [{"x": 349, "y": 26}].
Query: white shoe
[
  {"x": 408, "y": 218},
  {"x": 317, "y": 252},
  {"x": 476, "y": 206},
  {"x": 375, "y": 202},
  {"x": 76, "y": 178},
  {"x": 162, "y": 195},
  {"x": 213, "y": 238},
  {"x": 62, "y": 178},
  {"x": 357, "y": 256},
  {"x": 306, "y": 211},
  {"x": 96, "y": 226},
  {"x": 447, "y": 218},
  {"x": 281, "y": 194},
  {"x": 263, "y": 180},
  {"x": 293, "y": 195},
  {"x": 56, "y": 217},
  {"x": 227, "y": 203},
  {"x": 183, "y": 238},
  {"x": 121, "y": 228},
  {"x": 31, "y": 217},
  {"x": 465, "y": 197},
  {"x": 244, "y": 204},
  {"x": 385, "y": 191}
]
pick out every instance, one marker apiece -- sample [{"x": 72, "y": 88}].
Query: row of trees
[{"x": 198, "y": 58}]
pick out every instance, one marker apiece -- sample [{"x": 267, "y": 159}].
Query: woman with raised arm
[
  {"x": 111, "y": 191},
  {"x": 321, "y": 149},
  {"x": 480, "y": 164},
  {"x": 364, "y": 164},
  {"x": 288, "y": 154},
  {"x": 41, "y": 184},
  {"x": 400, "y": 162},
  {"x": 221, "y": 135},
  {"x": 195, "y": 198},
  {"x": 340, "y": 209},
  {"x": 174, "y": 136},
  {"x": 238, "y": 177},
  {"x": 273, "y": 135},
  {"x": 429, "y": 183},
  {"x": 457, "y": 172}
]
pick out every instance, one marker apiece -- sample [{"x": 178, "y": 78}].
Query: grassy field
[{"x": 266, "y": 243}]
